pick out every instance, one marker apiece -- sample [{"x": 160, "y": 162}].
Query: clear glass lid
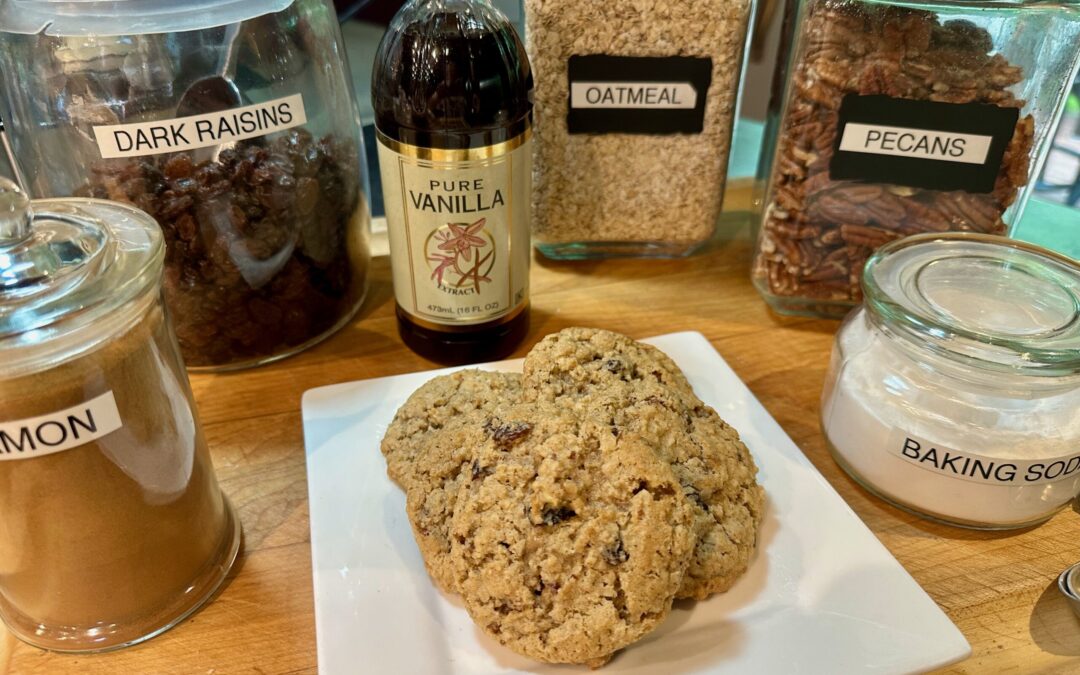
[
  {"x": 127, "y": 17},
  {"x": 994, "y": 302},
  {"x": 68, "y": 265}
]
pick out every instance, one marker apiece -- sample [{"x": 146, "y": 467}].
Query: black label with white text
[
  {"x": 637, "y": 95},
  {"x": 923, "y": 144}
]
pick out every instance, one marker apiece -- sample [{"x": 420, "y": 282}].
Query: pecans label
[
  {"x": 459, "y": 229},
  {"x": 200, "y": 131},
  {"x": 637, "y": 95},
  {"x": 60, "y": 430},
  {"x": 924, "y": 144}
]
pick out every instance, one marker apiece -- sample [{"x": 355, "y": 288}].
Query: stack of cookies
[{"x": 571, "y": 504}]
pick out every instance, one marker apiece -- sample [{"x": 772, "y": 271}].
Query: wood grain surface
[{"x": 1000, "y": 589}]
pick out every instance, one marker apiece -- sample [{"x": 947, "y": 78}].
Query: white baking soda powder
[{"x": 955, "y": 451}]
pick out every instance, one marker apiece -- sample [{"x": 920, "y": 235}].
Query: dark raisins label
[
  {"x": 200, "y": 131},
  {"x": 637, "y": 95},
  {"x": 923, "y": 144}
]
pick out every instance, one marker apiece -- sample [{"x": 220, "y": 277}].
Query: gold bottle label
[{"x": 459, "y": 229}]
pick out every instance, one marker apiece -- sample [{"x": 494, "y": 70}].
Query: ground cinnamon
[{"x": 110, "y": 541}]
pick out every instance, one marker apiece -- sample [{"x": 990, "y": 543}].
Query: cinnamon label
[{"x": 60, "y": 430}]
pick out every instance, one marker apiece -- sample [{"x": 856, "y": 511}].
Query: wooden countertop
[{"x": 1000, "y": 589}]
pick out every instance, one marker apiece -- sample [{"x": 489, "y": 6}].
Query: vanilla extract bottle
[{"x": 452, "y": 90}]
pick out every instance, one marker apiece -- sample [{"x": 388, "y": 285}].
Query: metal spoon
[
  {"x": 13, "y": 161},
  {"x": 1069, "y": 583},
  {"x": 214, "y": 93}
]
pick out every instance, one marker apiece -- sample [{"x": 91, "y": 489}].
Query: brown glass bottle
[{"x": 452, "y": 90}]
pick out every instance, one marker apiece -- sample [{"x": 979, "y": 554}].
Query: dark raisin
[
  {"x": 506, "y": 434},
  {"x": 554, "y": 516},
  {"x": 615, "y": 554},
  {"x": 614, "y": 366},
  {"x": 478, "y": 471},
  {"x": 695, "y": 496},
  {"x": 256, "y": 263}
]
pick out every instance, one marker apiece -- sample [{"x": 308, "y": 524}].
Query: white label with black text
[
  {"x": 980, "y": 468},
  {"x": 919, "y": 143},
  {"x": 640, "y": 95},
  {"x": 60, "y": 430},
  {"x": 200, "y": 131}
]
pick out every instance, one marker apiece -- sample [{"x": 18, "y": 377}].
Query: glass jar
[
  {"x": 234, "y": 125},
  {"x": 635, "y": 105},
  {"x": 954, "y": 391},
  {"x": 114, "y": 526},
  {"x": 898, "y": 118}
]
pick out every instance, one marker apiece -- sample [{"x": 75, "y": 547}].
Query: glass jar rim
[
  {"x": 56, "y": 317},
  {"x": 958, "y": 293}
]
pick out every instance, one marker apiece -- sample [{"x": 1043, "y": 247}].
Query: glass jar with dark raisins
[{"x": 232, "y": 124}]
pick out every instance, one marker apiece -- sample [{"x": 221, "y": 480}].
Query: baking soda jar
[{"x": 954, "y": 391}]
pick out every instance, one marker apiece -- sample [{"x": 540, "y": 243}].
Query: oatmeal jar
[
  {"x": 234, "y": 125},
  {"x": 114, "y": 526},
  {"x": 895, "y": 118},
  {"x": 954, "y": 391},
  {"x": 634, "y": 105}
]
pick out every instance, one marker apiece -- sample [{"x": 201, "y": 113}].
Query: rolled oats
[{"x": 612, "y": 191}]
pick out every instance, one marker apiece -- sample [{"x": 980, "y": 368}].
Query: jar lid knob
[{"x": 15, "y": 214}]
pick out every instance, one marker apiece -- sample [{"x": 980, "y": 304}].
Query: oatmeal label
[
  {"x": 60, "y": 430},
  {"x": 924, "y": 144},
  {"x": 459, "y": 229},
  {"x": 200, "y": 131},
  {"x": 977, "y": 468},
  {"x": 637, "y": 95}
]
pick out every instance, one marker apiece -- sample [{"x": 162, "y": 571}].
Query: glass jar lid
[
  {"x": 127, "y": 17},
  {"x": 68, "y": 269},
  {"x": 992, "y": 302}
]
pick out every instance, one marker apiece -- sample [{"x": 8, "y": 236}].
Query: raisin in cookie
[
  {"x": 637, "y": 389},
  {"x": 569, "y": 542},
  {"x": 435, "y": 479},
  {"x": 440, "y": 402},
  {"x": 564, "y": 363}
]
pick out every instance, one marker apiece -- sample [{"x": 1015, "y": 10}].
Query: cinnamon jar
[
  {"x": 114, "y": 526},
  {"x": 894, "y": 120}
]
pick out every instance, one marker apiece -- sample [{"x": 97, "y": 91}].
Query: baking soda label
[
  {"x": 200, "y": 131},
  {"x": 979, "y": 468},
  {"x": 637, "y": 95},
  {"x": 923, "y": 144},
  {"x": 60, "y": 430}
]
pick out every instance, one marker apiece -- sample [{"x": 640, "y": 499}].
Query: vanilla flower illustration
[
  {"x": 445, "y": 262},
  {"x": 462, "y": 239}
]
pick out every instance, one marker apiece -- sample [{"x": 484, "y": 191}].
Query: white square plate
[{"x": 822, "y": 596}]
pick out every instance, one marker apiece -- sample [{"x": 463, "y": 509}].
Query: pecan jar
[
  {"x": 893, "y": 121},
  {"x": 234, "y": 125}
]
